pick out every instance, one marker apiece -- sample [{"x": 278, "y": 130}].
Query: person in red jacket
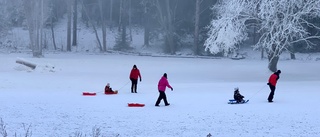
[
  {"x": 162, "y": 85},
  {"x": 134, "y": 75},
  {"x": 272, "y": 84}
]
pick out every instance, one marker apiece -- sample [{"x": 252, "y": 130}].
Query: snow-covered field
[{"x": 50, "y": 103}]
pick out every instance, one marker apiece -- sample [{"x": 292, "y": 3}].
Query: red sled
[
  {"x": 89, "y": 93},
  {"x": 110, "y": 93},
  {"x": 135, "y": 105}
]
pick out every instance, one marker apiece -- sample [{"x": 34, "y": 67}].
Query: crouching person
[
  {"x": 237, "y": 96},
  {"x": 108, "y": 90}
]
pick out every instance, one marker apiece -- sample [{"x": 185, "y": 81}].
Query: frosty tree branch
[
  {"x": 280, "y": 23},
  {"x": 228, "y": 30}
]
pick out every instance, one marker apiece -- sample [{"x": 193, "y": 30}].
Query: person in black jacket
[{"x": 237, "y": 96}]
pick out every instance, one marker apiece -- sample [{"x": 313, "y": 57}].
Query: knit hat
[
  {"x": 278, "y": 71},
  {"x": 165, "y": 75}
]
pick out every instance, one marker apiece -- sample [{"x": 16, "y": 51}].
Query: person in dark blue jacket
[{"x": 237, "y": 96}]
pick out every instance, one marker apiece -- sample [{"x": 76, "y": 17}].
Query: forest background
[{"x": 174, "y": 27}]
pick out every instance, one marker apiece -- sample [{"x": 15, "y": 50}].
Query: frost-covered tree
[
  {"x": 281, "y": 23},
  {"x": 228, "y": 28}
]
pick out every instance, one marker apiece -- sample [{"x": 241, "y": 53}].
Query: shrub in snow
[{"x": 3, "y": 130}]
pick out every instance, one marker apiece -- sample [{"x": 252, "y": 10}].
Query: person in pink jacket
[{"x": 162, "y": 85}]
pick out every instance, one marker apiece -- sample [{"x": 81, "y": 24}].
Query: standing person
[
  {"x": 272, "y": 84},
  {"x": 163, "y": 83},
  {"x": 134, "y": 75}
]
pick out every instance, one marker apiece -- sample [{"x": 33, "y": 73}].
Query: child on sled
[
  {"x": 108, "y": 90},
  {"x": 237, "y": 96}
]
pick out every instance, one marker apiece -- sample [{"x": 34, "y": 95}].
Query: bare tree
[
  {"x": 34, "y": 14},
  {"x": 130, "y": 20},
  {"x": 93, "y": 25},
  {"x": 170, "y": 27},
  {"x": 69, "y": 14},
  {"x": 75, "y": 22},
  {"x": 103, "y": 25},
  {"x": 12, "y": 13},
  {"x": 147, "y": 6},
  {"x": 122, "y": 41},
  {"x": 111, "y": 12},
  {"x": 3, "y": 17},
  {"x": 196, "y": 27},
  {"x": 166, "y": 21},
  {"x": 52, "y": 34},
  {"x": 120, "y": 15}
]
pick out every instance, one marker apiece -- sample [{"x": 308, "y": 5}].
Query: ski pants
[
  {"x": 162, "y": 95},
  {"x": 272, "y": 88},
  {"x": 134, "y": 83}
]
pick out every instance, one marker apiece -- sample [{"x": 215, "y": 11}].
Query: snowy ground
[{"x": 51, "y": 101}]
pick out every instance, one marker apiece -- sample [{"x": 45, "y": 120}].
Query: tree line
[
  {"x": 169, "y": 21},
  {"x": 209, "y": 24}
]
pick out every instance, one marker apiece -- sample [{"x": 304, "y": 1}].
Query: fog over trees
[
  {"x": 165, "y": 21},
  {"x": 206, "y": 27}
]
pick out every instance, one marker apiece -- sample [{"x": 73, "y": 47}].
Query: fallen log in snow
[{"x": 26, "y": 63}]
